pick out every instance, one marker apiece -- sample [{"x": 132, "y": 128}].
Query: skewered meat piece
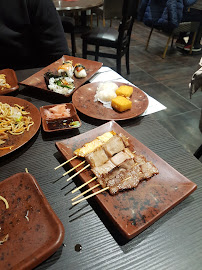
[
  {"x": 103, "y": 170},
  {"x": 124, "y": 139},
  {"x": 139, "y": 159},
  {"x": 97, "y": 157},
  {"x": 116, "y": 173},
  {"x": 130, "y": 183},
  {"x": 129, "y": 153},
  {"x": 114, "y": 145},
  {"x": 148, "y": 169},
  {"x": 119, "y": 158}
]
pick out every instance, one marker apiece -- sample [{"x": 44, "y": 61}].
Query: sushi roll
[
  {"x": 80, "y": 71},
  {"x": 59, "y": 84},
  {"x": 66, "y": 69}
]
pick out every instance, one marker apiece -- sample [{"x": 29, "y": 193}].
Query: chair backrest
[
  {"x": 112, "y": 9},
  {"x": 129, "y": 13}
]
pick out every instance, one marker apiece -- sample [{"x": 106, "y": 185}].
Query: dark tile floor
[{"x": 166, "y": 80}]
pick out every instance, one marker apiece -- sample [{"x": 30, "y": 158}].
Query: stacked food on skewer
[{"x": 115, "y": 166}]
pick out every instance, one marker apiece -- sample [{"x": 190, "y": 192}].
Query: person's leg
[{"x": 194, "y": 15}]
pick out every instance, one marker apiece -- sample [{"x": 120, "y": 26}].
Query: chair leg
[
  {"x": 84, "y": 49},
  {"x": 127, "y": 61},
  {"x": 166, "y": 48},
  {"x": 91, "y": 20},
  {"x": 192, "y": 43},
  {"x": 73, "y": 43},
  {"x": 198, "y": 152},
  {"x": 118, "y": 64},
  {"x": 149, "y": 39},
  {"x": 96, "y": 52}
]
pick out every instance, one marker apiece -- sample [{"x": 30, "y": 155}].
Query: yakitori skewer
[
  {"x": 89, "y": 147},
  {"x": 83, "y": 193},
  {"x": 68, "y": 179},
  {"x": 93, "y": 194},
  {"x": 65, "y": 162},
  {"x": 74, "y": 168},
  {"x": 83, "y": 185}
]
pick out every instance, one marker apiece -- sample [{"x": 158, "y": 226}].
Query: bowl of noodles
[{"x": 19, "y": 121}]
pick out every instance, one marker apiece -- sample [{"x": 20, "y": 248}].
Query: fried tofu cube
[
  {"x": 121, "y": 104},
  {"x": 124, "y": 91}
]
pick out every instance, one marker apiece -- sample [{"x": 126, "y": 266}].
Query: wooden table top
[
  {"x": 172, "y": 242},
  {"x": 77, "y": 5}
]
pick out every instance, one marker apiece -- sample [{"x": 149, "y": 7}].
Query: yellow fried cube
[
  {"x": 124, "y": 90},
  {"x": 121, "y": 104}
]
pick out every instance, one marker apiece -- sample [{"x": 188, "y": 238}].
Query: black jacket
[{"x": 31, "y": 34}]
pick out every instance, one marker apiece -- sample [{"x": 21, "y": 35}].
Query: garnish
[{"x": 74, "y": 124}]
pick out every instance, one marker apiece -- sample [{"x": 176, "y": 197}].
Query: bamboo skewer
[
  {"x": 65, "y": 162},
  {"x": 83, "y": 185},
  {"x": 74, "y": 168},
  {"x": 83, "y": 193},
  {"x": 93, "y": 194},
  {"x": 78, "y": 172}
]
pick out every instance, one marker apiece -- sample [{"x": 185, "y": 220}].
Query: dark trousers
[{"x": 194, "y": 15}]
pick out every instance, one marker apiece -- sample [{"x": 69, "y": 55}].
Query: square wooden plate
[
  {"x": 34, "y": 231},
  {"x": 47, "y": 123},
  {"x": 132, "y": 211},
  {"x": 37, "y": 80}
]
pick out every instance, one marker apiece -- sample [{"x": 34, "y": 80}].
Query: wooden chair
[
  {"x": 111, "y": 9},
  {"x": 68, "y": 24},
  {"x": 110, "y": 37},
  {"x": 183, "y": 27}
]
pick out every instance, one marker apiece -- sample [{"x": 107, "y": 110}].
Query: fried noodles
[{"x": 14, "y": 120}]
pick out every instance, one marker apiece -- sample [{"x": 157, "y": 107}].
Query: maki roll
[
  {"x": 80, "y": 71},
  {"x": 66, "y": 69},
  {"x": 59, "y": 84}
]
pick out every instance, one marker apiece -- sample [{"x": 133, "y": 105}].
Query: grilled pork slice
[
  {"x": 119, "y": 158},
  {"x": 129, "y": 153},
  {"x": 148, "y": 169},
  {"x": 97, "y": 157},
  {"x": 124, "y": 139},
  {"x": 139, "y": 159},
  {"x": 125, "y": 183},
  {"x": 103, "y": 170},
  {"x": 113, "y": 146},
  {"x": 116, "y": 174}
]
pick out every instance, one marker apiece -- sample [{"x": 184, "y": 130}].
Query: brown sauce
[{"x": 78, "y": 247}]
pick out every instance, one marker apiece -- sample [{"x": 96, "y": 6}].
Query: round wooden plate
[
  {"x": 18, "y": 140},
  {"x": 83, "y": 100}
]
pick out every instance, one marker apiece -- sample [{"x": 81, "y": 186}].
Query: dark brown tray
[
  {"x": 37, "y": 79},
  {"x": 83, "y": 100},
  {"x": 133, "y": 211},
  {"x": 11, "y": 79},
  {"x": 33, "y": 239},
  {"x": 73, "y": 115}
]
